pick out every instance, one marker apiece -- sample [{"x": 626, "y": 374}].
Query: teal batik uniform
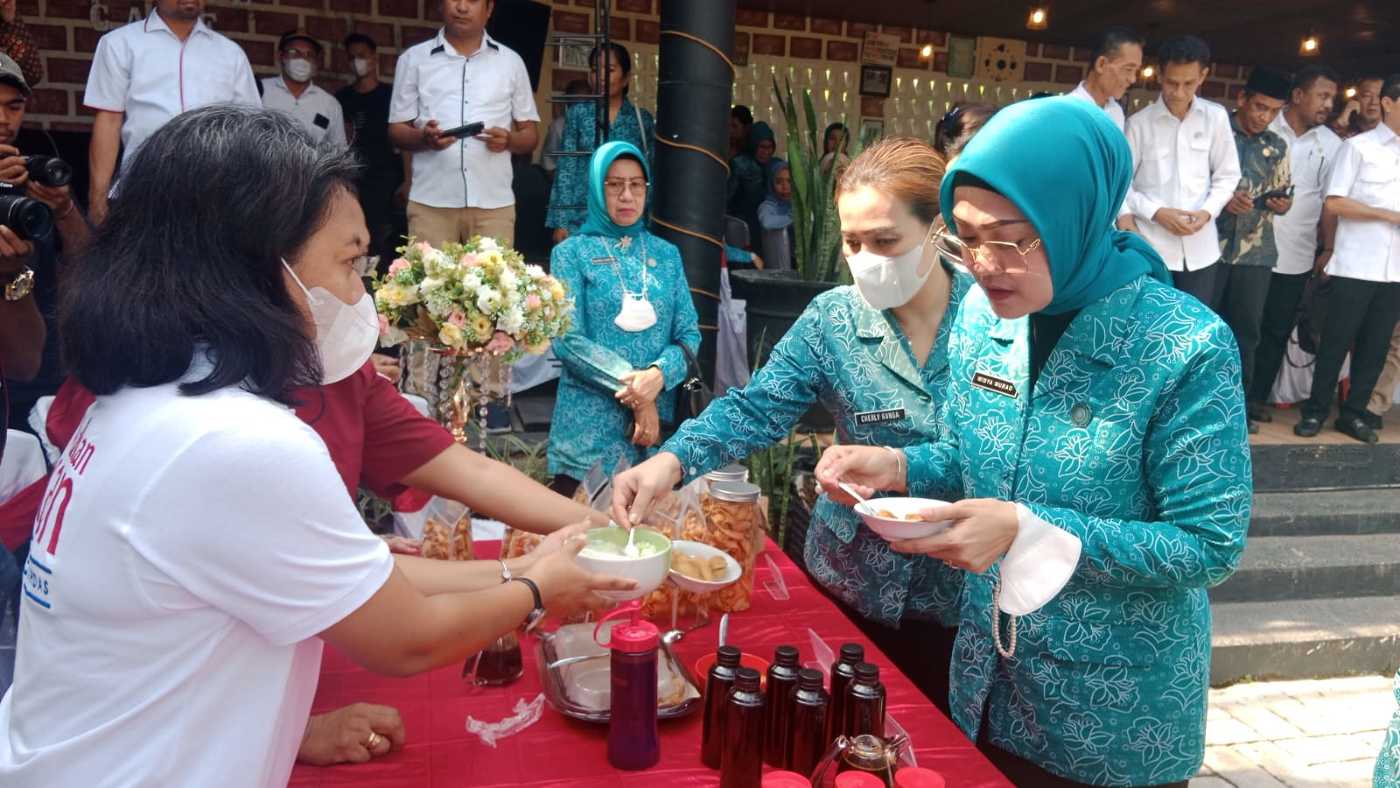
[
  {"x": 1132, "y": 439},
  {"x": 596, "y": 265},
  {"x": 1388, "y": 764},
  {"x": 856, "y": 361},
  {"x": 568, "y": 199}
]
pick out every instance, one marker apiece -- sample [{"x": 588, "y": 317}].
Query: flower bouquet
[
  {"x": 479, "y": 307},
  {"x": 474, "y": 297}
]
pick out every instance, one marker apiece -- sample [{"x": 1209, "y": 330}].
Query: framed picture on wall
[
  {"x": 573, "y": 55},
  {"x": 962, "y": 56},
  {"x": 871, "y": 129},
  {"x": 875, "y": 80}
]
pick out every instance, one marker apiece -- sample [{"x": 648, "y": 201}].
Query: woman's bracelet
[{"x": 901, "y": 470}]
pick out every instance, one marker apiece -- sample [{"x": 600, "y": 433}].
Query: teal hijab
[
  {"x": 598, "y": 221},
  {"x": 1068, "y": 168}
]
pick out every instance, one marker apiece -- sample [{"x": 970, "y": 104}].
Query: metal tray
[{"x": 579, "y": 689}]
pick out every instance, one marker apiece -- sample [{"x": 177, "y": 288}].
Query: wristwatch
[
  {"x": 21, "y": 285},
  {"x": 537, "y": 614}
]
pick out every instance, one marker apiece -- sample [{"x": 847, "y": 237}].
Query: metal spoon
[
  {"x": 724, "y": 629},
  {"x": 851, "y": 491}
]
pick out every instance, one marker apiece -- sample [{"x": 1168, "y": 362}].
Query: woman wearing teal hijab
[
  {"x": 622, "y": 360},
  {"x": 1101, "y": 449}
]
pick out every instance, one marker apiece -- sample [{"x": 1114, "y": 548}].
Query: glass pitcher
[{"x": 871, "y": 754}]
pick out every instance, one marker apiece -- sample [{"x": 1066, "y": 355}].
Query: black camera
[
  {"x": 26, "y": 216},
  {"x": 49, "y": 170}
]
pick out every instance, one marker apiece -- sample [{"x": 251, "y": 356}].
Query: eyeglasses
[
  {"x": 615, "y": 187},
  {"x": 986, "y": 253}
]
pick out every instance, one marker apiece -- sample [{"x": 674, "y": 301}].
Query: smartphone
[
  {"x": 462, "y": 132},
  {"x": 1261, "y": 202}
]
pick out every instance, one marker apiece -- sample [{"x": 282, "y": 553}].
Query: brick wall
[{"x": 68, "y": 36}]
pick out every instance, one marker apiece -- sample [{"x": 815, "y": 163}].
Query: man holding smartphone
[
  {"x": 461, "y": 182},
  {"x": 1246, "y": 226}
]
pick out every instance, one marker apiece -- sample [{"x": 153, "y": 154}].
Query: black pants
[
  {"x": 1242, "y": 307},
  {"x": 1361, "y": 316},
  {"x": 922, "y": 650},
  {"x": 1280, "y": 317},
  {"x": 1025, "y": 774},
  {"x": 1206, "y": 284}
]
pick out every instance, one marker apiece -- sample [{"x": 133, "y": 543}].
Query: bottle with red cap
[
  {"x": 741, "y": 764},
  {"x": 785, "y": 779},
  {"x": 915, "y": 777},
  {"x": 633, "y": 740}
]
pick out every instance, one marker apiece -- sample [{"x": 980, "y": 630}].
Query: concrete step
[
  {"x": 1326, "y": 513},
  {"x": 1311, "y": 638},
  {"x": 1314, "y": 567},
  {"x": 1323, "y": 466}
]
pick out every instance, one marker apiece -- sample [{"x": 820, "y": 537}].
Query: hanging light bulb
[
  {"x": 1351, "y": 93},
  {"x": 1148, "y": 72},
  {"x": 926, "y": 52},
  {"x": 1039, "y": 18},
  {"x": 1309, "y": 45}
]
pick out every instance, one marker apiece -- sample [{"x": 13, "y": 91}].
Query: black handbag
[{"x": 695, "y": 394}]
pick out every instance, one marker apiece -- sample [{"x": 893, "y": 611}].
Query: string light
[
  {"x": 1309, "y": 45},
  {"x": 1039, "y": 18},
  {"x": 1148, "y": 72},
  {"x": 926, "y": 52},
  {"x": 1351, "y": 93}
]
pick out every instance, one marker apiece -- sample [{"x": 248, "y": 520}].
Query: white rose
[
  {"x": 512, "y": 320},
  {"x": 535, "y": 272},
  {"x": 471, "y": 282},
  {"x": 487, "y": 299},
  {"x": 508, "y": 280},
  {"x": 488, "y": 244}
]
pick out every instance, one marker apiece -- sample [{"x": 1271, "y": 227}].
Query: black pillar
[{"x": 692, "y": 128}]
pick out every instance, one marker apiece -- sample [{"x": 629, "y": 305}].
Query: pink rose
[
  {"x": 532, "y": 302},
  {"x": 470, "y": 260},
  {"x": 383, "y": 325},
  {"x": 423, "y": 246},
  {"x": 457, "y": 319},
  {"x": 500, "y": 343},
  {"x": 398, "y": 265}
]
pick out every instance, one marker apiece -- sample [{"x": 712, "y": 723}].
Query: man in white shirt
[
  {"x": 1113, "y": 69},
  {"x": 1312, "y": 149},
  {"x": 147, "y": 72},
  {"x": 1185, "y": 169},
  {"x": 294, "y": 93},
  {"x": 461, "y": 186},
  {"x": 1362, "y": 290}
]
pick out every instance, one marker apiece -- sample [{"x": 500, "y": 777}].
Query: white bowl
[
  {"x": 649, "y": 571},
  {"x": 704, "y": 552},
  {"x": 894, "y": 529}
]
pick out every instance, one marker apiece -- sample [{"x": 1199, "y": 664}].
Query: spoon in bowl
[{"x": 851, "y": 491}]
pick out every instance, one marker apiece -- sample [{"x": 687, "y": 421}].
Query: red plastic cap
[
  {"x": 858, "y": 780},
  {"x": 914, "y": 777},
  {"x": 782, "y": 779},
  {"x": 633, "y": 637}
]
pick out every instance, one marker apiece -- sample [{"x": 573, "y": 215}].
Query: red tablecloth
[{"x": 558, "y": 751}]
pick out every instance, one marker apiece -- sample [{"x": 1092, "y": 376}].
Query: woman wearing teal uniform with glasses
[
  {"x": 875, "y": 355},
  {"x": 1091, "y": 403},
  {"x": 623, "y": 358}
]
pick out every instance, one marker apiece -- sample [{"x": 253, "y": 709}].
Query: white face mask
[
  {"x": 345, "y": 335},
  {"x": 888, "y": 282},
  {"x": 360, "y": 66},
  {"x": 298, "y": 69},
  {"x": 636, "y": 314}
]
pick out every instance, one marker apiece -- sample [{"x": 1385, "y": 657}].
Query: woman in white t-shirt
[{"x": 195, "y": 544}]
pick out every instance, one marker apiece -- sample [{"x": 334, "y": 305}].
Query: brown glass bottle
[
  {"x": 842, "y": 674},
  {"x": 717, "y": 687},
  {"x": 865, "y": 703},
  {"x": 782, "y": 683},
  {"x": 741, "y": 764},
  {"x": 807, "y": 728}
]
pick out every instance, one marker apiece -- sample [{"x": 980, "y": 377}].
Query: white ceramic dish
[
  {"x": 649, "y": 570},
  {"x": 894, "y": 529},
  {"x": 704, "y": 552}
]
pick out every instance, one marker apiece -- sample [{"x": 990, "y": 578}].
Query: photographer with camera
[{"x": 39, "y": 223}]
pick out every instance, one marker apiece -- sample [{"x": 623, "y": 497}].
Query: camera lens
[
  {"x": 49, "y": 170},
  {"x": 29, "y": 218}
]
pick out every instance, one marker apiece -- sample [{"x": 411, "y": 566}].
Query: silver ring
[{"x": 373, "y": 741}]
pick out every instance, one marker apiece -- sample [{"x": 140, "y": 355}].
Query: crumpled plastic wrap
[{"x": 527, "y": 713}]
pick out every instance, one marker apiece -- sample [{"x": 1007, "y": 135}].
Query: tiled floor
[{"x": 1296, "y": 733}]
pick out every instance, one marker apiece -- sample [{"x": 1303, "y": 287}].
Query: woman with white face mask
[
  {"x": 196, "y": 544},
  {"x": 875, "y": 355}
]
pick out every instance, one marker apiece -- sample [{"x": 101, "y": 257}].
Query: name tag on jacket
[
  {"x": 880, "y": 416},
  {"x": 994, "y": 384}
]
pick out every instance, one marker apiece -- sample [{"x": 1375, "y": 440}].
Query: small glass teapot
[{"x": 870, "y": 754}]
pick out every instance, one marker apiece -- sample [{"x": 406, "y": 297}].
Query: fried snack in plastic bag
[
  {"x": 517, "y": 543},
  {"x": 448, "y": 543}
]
